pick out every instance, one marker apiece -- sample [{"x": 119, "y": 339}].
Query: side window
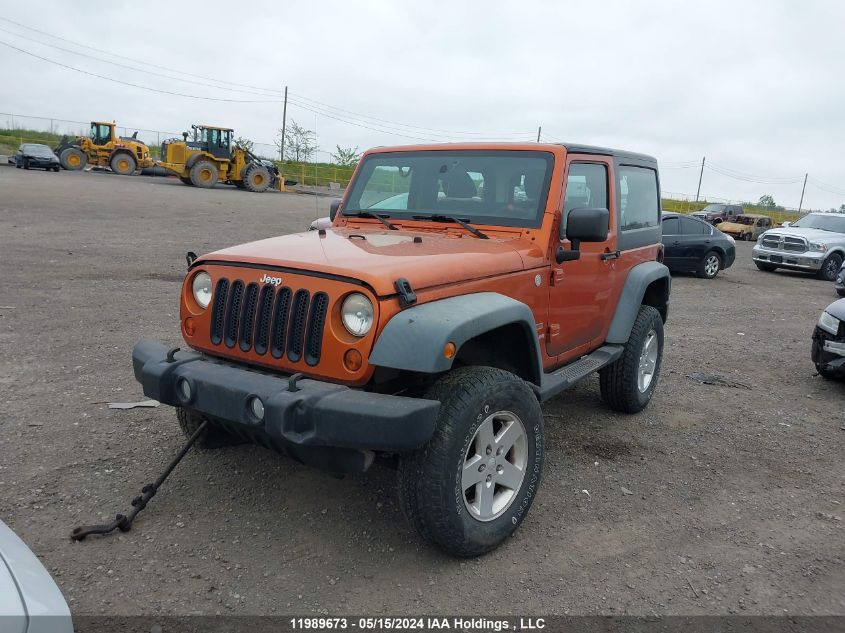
[
  {"x": 671, "y": 226},
  {"x": 586, "y": 186},
  {"x": 693, "y": 227},
  {"x": 639, "y": 202}
]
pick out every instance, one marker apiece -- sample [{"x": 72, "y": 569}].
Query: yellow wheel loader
[
  {"x": 211, "y": 158},
  {"x": 104, "y": 148}
]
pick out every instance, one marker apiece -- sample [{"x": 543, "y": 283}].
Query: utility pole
[
  {"x": 284, "y": 125},
  {"x": 700, "y": 176},
  {"x": 539, "y": 129},
  {"x": 800, "y": 204}
]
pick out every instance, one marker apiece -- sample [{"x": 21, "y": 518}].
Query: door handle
[
  {"x": 613, "y": 255},
  {"x": 676, "y": 242}
]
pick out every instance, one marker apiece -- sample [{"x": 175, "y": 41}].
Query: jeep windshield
[
  {"x": 825, "y": 222},
  {"x": 494, "y": 187}
]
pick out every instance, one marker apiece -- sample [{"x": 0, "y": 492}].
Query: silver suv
[{"x": 815, "y": 243}]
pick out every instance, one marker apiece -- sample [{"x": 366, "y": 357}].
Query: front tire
[
  {"x": 472, "y": 485},
  {"x": 628, "y": 383},
  {"x": 73, "y": 159},
  {"x": 709, "y": 266},
  {"x": 256, "y": 178},
  {"x": 830, "y": 266},
  {"x": 123, "y": 164}
]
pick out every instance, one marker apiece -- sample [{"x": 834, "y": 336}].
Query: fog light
[
  {"x": 185, "y": 391},
  {"x": 353, "y": 360},
  {"x": 257, "y": 407}
]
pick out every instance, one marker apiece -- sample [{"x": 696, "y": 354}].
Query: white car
[{"x": 30, "y": 601}]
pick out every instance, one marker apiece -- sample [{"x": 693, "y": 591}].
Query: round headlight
[
  {"x": 201, "y": 286},
  {"x": 357, "y": 314}
]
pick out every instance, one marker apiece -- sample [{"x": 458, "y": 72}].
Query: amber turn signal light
[
  {"x": 449, "y": 350},
  {"x": 353, "y": 360},
  {"x": 190, "y": 327}
]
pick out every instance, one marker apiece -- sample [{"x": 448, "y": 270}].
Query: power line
[
  {"x": 131, "y": 59},
  {"x": 127, "y": 83},
  {"x": 325, "y": 106},
  {"x": 118, "y": 64},
  {"x": 414, "y": 129}
]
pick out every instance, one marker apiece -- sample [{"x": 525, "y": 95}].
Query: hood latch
[{"x": 407, "y": 296}]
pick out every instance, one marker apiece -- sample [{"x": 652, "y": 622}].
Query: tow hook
[{"x": 124, "y": 522}]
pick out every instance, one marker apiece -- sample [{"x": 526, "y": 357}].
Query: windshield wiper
[
  {"x": 449, "y": 218},
  {"x": 374, "y": 216}
]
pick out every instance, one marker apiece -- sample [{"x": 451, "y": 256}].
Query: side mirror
[
  {"x": 583, "y": 225},
  {"x": 333, "y": 208}
]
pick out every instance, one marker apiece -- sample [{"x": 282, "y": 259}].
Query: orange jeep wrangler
[{"x": 457, "y": 288}]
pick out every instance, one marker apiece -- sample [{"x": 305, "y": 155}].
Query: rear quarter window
[{"x": 639, "y": 202}]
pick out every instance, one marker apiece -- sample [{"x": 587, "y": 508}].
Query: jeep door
[{"x": 580, "y": 290}]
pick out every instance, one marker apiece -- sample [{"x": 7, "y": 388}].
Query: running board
[{"x": 567, "y": 376}]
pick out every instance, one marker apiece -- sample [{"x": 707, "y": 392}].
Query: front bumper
[
  {"x": 309, "y": 414},
  {"x": 809, "y": 260},
  {"x": 828, "y": 351}
]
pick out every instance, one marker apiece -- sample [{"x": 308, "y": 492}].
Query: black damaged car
[
  {"x": 36, "y": 155},
  {"x": 828, "y": 351}
]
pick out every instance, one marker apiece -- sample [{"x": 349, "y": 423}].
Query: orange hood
[{"x": 379, "y": 258}]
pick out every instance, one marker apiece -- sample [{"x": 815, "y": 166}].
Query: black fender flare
[
  {"x": 415, "y": 338},
  {"x": 640, "y": 277}
]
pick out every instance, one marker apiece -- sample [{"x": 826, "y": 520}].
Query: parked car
[
  {"x": 693, "y": 245},
  {"x": 718, "y": 213},
  {"x": 815, "y": 243},
  {"x": 36, "y": 155},
  {"x": 828, "y": 351},
  {"x": 839, "y": 282},
  {"x": 30, "y": 601},
  {"x": 746, "y": 227}
]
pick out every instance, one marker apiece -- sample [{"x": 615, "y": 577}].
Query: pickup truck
[{"x": 815, "y": 243}]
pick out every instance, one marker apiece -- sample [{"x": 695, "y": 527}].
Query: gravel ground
[{"x": 715, "y": 500}]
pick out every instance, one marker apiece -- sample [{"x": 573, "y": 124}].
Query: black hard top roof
[{"x": 575, "y": 148}]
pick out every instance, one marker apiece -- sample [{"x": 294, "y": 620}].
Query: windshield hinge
[{"x": 407, "y": 296}]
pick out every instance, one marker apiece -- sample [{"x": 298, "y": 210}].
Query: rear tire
[
  {"x": 213, "y": 437},
  {"x": 710, "y": 265},
  {"x": 256, "y": 178},
  {"x": 204, "y": 174},
  {"x": 123, "y": 164},
  {"x": 73, "y": 159},
  {"x": 26, "y": 163},
  {"x": 464, "y": 491},
  {"x": 830, "y": 267},
  {"x": 628, "y": 384}
]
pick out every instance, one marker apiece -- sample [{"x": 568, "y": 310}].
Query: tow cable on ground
[{"x": 124, "y": 522}]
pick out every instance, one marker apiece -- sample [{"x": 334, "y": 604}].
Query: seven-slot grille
[{"x": 281, "y": 321}]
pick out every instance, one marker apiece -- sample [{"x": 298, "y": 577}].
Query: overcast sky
[{"x": 756, "y": 87}]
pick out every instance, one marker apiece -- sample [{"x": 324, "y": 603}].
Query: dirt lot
[{"x": 736, "y": 494}]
